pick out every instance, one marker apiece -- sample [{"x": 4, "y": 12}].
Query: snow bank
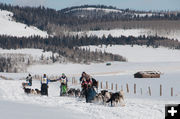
[{"x": 12, "y": 28}]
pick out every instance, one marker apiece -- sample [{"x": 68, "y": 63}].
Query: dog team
[{"x": 89, "y": 90}]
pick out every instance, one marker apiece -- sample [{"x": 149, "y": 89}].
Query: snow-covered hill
[
  {"x": 83, "y": 11},
  {"x": 106, "y": 10},
  {"x": 12, "y": 28}
]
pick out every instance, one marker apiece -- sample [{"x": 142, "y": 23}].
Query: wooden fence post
[
  {"x": 73, "y": 81},
  {"x": 101, "y": 85},
  {"x": 171, "y": 91},
  {"x": 106, "y": 85},
  {"x": 127, "y": 88},
  {"x": 111, "y": 86},
  {"x": 160, "y": 90},
  {"x": 97, "y": 84},
  {"x": 149, "y": 90},
  {"x": 141, "y": 91},
  {"x": 116, "y": 87},
  {"x": 134, "y": 88}
]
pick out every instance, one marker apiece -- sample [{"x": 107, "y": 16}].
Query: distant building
[{"x": 147, "y": 74}]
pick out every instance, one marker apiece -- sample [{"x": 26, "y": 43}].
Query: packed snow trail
[{"x": 12, "y": 92}]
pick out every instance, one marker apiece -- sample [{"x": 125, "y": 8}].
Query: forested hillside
[
  {"x": 61, "y": 25},
  {"x": 91, "y": 17}
]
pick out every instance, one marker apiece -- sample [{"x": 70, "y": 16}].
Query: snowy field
[
  {"x": 172, "y": 34},
  {"x": 20, "y": 105},
  {"x": 139, "y": 58},
  {"x": 135, "y": 53},
  {"x": 137, "y": 106},
  {"x": 10, "y": 27}
]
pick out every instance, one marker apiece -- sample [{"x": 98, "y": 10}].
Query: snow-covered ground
[
  {"x": 139, "y": 58},
  {"x": 20, "y": 105},
  {"x": 140, "y": 53},
  {"x": 116, "y": 68},
  {"x": 137, "y": 106},
  {"x": 172, "y": 34},
  {"x": 12, "y": 28}
]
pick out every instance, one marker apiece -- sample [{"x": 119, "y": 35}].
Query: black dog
[
  {"x": 77, "y": 93},
  {"x": 116, "y": 97},
  {"x": 103, "y": 92},
  {"x": 74, "y": 92},
  {"x": 27, "y": 90}
]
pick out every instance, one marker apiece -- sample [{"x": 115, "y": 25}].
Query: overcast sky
[{"x": 132, "y": 4}]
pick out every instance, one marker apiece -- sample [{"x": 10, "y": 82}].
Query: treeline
[
  {"x": 5, "y": 64},
  {"x": 85, "y": 6},
  {"x": 12, "y": 63},
  {"x": 68, "y": 49},
  {"x": 63, "y": 46},
  {"x": 61, "y": 21}
]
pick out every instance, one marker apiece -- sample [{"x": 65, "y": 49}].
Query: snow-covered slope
[
  {"x": 172, "y": 34},
  {"x": 141, "y": 53},
  {"x": 12, "y": 28}
]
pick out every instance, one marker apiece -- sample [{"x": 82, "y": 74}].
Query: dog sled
[{"x": 91, "y": 93}]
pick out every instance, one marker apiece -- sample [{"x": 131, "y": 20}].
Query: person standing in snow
[
  {"x": 44, "y": 85},
  {"x": 89, "y": 90},
  {"x": 87, "y": 87},
  {"x": 29, "y": 80},
  {"x": 63, "y": 87}
]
